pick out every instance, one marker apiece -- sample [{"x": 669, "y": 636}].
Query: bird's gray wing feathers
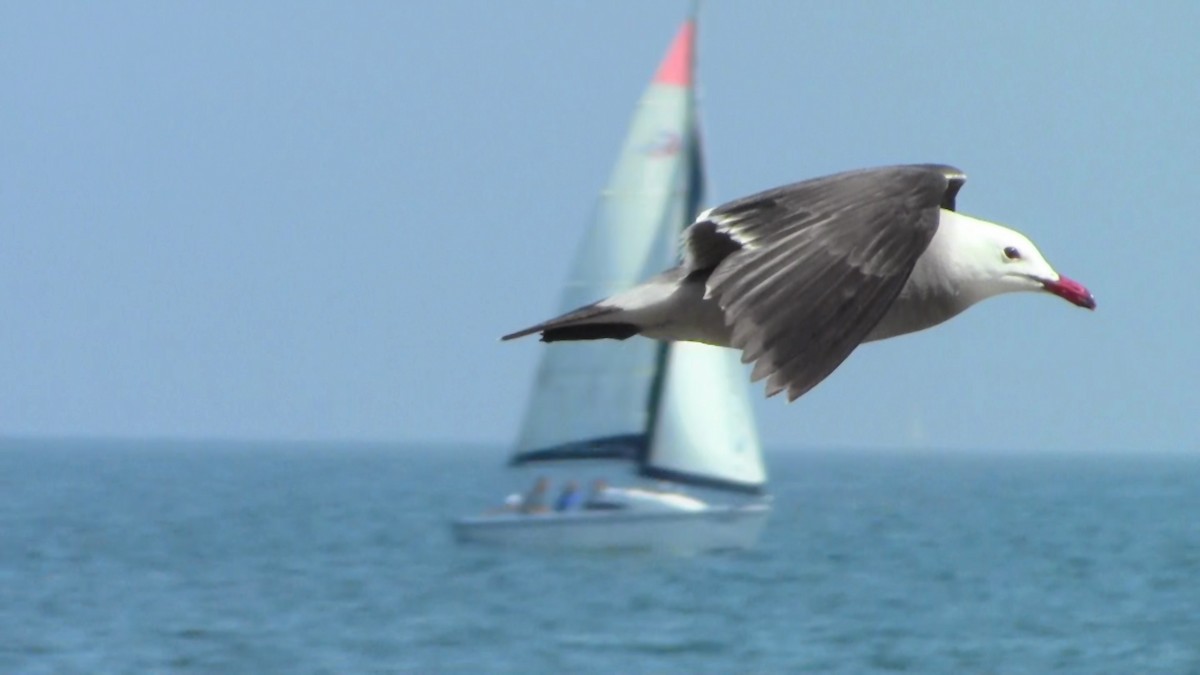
[{"x": 804, "y": 272}]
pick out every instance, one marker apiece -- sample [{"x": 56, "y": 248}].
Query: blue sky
[{"x": 313, "y": 220}]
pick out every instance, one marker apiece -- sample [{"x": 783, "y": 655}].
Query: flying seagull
[{"x": 798, "y": 276}]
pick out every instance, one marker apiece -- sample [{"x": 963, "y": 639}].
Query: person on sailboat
[
  {"x": 570, "y": 497},
  {"x": 534, "y": 501}
]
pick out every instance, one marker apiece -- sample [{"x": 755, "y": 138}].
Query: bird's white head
[{"x": 1003, "y": 260}]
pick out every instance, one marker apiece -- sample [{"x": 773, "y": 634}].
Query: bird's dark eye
[{"x": 1012, "y": 253}]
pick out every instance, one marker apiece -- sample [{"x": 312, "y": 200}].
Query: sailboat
[{"x": 679, "y": 413}]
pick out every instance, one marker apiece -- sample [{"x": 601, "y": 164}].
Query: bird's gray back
[{"x": 804, "y": 273}]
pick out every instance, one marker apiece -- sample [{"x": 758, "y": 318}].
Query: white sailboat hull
[{"x": 705, "y": 529}]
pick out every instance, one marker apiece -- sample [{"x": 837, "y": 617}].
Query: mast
[
  {"x": 595, "y": 400},
  {"x": 677, "y": 69},
  {"x": 703, "y": 431},
  {"x": 680, "y": 411}
]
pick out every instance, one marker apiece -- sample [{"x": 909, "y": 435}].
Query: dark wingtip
[
  {"x": 955, "y": 178},
  {"x": 590, "y": 331}
]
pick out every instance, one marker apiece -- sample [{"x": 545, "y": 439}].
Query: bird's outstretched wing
[{"x": 805, "y": 271}]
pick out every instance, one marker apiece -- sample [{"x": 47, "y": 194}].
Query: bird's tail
[{"x": 591, "y": 322}]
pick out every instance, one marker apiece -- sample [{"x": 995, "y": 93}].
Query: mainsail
[{"x": 680, "y": 410}]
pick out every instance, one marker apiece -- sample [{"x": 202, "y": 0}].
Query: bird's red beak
[{"x": 1071, "y": 291}]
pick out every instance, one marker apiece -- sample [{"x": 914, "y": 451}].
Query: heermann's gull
[{"x": 798, "y": 276}]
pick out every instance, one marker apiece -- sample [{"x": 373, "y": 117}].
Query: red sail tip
[{"x": 676, "y": 68}]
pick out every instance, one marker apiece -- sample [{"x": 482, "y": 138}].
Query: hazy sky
[{"x": 313, "y": 220}]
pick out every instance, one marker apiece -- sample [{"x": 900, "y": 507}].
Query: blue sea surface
[{"x": 273, "y": 558}]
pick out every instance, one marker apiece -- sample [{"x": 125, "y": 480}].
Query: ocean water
[{"x": 233, "y": 558}]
